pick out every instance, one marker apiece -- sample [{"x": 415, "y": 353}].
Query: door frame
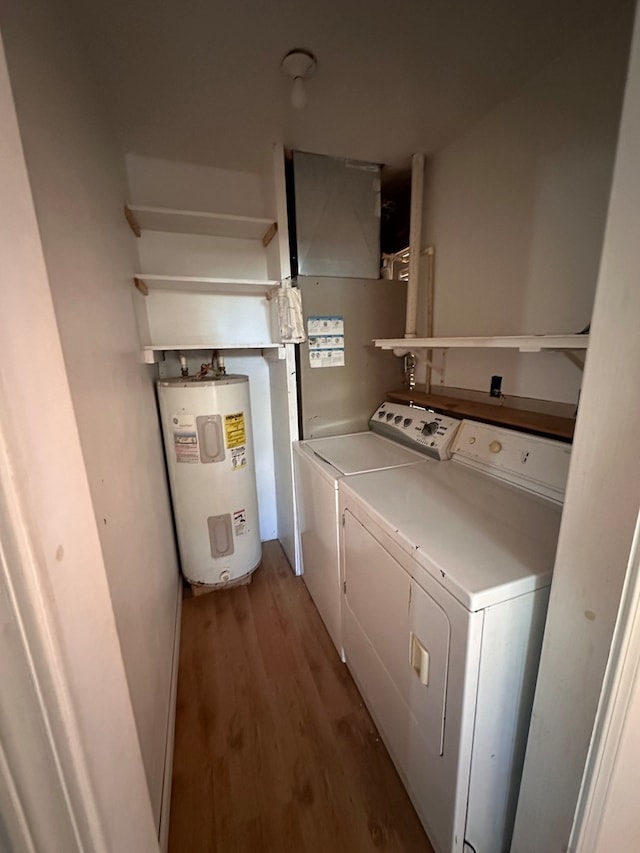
[{"x": 618, "y": 709}]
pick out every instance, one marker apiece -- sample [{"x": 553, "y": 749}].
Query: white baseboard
[{"x": 165, "y": 808}]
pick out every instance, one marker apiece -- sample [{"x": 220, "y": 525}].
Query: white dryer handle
[{"x": 419, "y": 659}]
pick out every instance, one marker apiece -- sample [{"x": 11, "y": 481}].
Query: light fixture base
[{"x": 299, "y": 63}]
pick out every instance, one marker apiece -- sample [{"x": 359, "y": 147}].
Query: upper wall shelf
[
  {"x": 523, "y": 343},
  {"x": 209, "y": 345},
  {"x": 203, "y": 284},
  {"x": 142, "y": 218},
  {"x": 155, "y": 352}
]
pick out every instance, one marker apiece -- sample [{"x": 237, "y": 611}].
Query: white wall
[
  {"x": 68, "y": 737},
  {"x": 516, "y": 210},
  {"x": 599, "y": 520},
  {"x": 79, "y": 186},
  {"x": 185, "y": 186}
]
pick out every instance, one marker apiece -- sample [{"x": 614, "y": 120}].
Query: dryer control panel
[
  {"x": 420, "y": 429},
  {"x": 539, "y": 465}
]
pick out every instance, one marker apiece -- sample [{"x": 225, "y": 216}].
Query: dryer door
[
  {"x": 408, "y": 631},
  {"x": 397, "y": 642},
  {"x": 377, "y": 598},
  {"x": 429, "y": 660}
]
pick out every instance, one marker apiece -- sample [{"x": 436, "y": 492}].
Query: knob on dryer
[{"x": 495, "y": 447}]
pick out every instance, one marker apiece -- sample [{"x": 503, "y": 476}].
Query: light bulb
[{"x": 298, "y": 94}]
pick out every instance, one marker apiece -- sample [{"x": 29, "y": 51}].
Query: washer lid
[
  {"x": 361, "y": 452},
  {"x": 483, "y": 540}
]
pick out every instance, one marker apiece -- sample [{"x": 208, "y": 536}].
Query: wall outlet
[{"x": 495, "y": 389}]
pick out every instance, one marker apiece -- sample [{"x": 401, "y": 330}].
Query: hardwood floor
[{"x": 274, "y": 749}]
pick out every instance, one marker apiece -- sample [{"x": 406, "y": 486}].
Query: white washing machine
[
  {"x": 446, "y": 571},
  {"x": 321, "y": 463}
]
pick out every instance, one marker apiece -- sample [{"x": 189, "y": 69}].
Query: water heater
[{"x": 206, "y": 425}]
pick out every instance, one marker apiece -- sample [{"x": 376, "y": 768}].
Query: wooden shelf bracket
[
  {"x": 133, "y": 222},
  {"x": 269, "y": 234},
  {"x": 573, "y": 357},
  {"x": 141, "y": 285}
]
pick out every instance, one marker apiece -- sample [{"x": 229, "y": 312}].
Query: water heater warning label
[
  {"x": 185, "y": 438},
  {"x": 240, "y": 522},
  {"x": 234, "y": 430},
  {"x": 239, "y": 458}
]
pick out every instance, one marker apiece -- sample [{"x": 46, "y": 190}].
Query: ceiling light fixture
[{"x": 300, "y": 65}]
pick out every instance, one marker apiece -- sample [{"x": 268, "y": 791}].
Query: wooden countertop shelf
[{"x": 550, "y": 426}]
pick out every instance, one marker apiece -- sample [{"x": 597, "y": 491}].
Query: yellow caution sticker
[{"x": 234, "y": 430}]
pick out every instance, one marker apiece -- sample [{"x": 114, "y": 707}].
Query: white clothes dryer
[{"x": 445, "y": 583}]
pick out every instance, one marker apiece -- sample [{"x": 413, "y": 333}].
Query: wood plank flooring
[{"x": 274, "y": 750}]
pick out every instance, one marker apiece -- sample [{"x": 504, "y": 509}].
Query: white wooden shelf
[
  {"x": 143, "y": 218},
  {"x": 150, "y": 352},
  {"x": 523, "y": 343},
  {"x": 207, "y": 346},
  {"x": 203, "y": 284}
]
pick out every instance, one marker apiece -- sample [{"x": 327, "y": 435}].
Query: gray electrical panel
[
  {"x": 340, "y": 400},
  {"x": 337, "y": 215}
]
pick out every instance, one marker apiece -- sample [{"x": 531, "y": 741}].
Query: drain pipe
[
  {"x": 415, "y": 241},
  {"x": 430, "y": 254}
]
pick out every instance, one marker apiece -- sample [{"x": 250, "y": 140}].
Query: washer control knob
[
  {"x": 430, "y": 428},
  {"x": 380, "y": 414},
  {"x": 397, "y": 419},
  {"x": 495, "y": 447},
  {"x": 407, "y": 422},
  {"x": 389, "y": 415}
]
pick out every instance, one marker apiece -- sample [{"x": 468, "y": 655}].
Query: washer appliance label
[{"x": 326, "y": 341}]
